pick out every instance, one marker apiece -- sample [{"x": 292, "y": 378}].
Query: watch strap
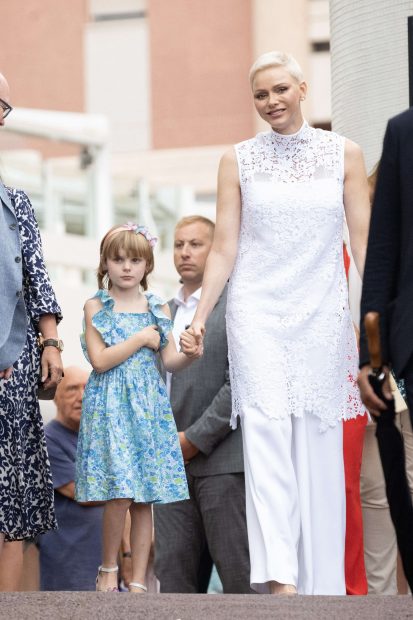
[{"x": 50, "y": 342}]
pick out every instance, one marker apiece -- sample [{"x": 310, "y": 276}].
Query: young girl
[{"x": 128, "y": 450}]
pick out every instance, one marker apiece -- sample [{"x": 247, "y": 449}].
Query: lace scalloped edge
[{"x": 324, "y": 424}]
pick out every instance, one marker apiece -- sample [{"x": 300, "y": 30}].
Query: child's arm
[
  {"x": 171, "y": 359},
  {"x": 104, "y": 358}
]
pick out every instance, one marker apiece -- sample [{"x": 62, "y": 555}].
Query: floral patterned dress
[
  {"x": 128, "y": 443},
  {"x": 26, "y": 489}
]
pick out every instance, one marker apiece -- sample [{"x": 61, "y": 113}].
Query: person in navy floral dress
[
  {"x": 128, "y": 449},
  {"x": 26, "y": 490}
]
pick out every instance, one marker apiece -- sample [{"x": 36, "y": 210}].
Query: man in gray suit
[{"x": 213, "y": 519}]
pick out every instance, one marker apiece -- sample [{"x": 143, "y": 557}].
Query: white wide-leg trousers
[{"x": 295, "y": 494}]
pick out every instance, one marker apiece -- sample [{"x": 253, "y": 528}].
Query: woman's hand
[
  {"x": 52, "y": 367},
  {"x": 198, "y": 331},
  {"x": 151, "y": 337},
  {"x": 6, "y": 373}
]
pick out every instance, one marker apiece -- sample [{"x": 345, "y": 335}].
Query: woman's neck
[{"x": 293, "y": 128}]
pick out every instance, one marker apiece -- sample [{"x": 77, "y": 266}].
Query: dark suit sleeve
[
  {"x": 213, "y": 425},
  {"x": 382, "y": 260}
]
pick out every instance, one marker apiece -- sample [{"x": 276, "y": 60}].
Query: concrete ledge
[{"x": 90, "y": 605}]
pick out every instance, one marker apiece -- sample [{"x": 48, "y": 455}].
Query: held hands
[
  {"x": 150, "y": 337},
  {"x": 192, "y": 340},
  {"x": 373, "y": 403},
  {"x": 52, "y": 367}
]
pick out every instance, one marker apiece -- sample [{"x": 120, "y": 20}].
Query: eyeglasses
[{"x": 5, "y": 107}]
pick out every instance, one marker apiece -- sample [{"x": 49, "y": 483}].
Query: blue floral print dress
[{"x": 128, "y": 443}]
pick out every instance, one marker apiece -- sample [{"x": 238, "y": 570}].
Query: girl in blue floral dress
[{"x": 128, "y": 449}]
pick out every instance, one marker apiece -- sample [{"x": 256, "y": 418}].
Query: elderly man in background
[
  {"x": 213, "y": 520},
  {"x": 69, "y": 556}
]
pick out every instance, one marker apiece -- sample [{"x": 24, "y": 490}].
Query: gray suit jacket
[
  {"x": 12, "y": 309},
  {"x": 201, "y": 402}
]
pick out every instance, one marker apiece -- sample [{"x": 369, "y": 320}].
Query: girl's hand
[
  {"x": 150, "y": 337},
  {"x": 189, "y": 345}
]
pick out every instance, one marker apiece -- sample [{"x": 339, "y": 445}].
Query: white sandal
[
  {"x": 135, "y": 584},
  {"x": 103, "y": 569}
]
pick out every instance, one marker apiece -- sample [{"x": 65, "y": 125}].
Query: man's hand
[
  {"x": 52, "y": 367},
  {"x": 188, "y": 448},
  {"x": 373, "y": 403},
  {"x": 6, "y": 373}
]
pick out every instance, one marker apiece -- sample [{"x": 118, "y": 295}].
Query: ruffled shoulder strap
[
  {"x": 107, "y": 301},
  {"x": 164, "y": 323},
  {"x": 102, "y": 319}
]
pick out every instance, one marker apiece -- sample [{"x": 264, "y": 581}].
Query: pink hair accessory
[
  {"x": 142, "y": 230},
  {"x": 138, "y": 230}
]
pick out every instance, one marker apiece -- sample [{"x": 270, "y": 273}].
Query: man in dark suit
[
  {"x": 388, "y": 290},
  {"x": 213, "y": 520}
]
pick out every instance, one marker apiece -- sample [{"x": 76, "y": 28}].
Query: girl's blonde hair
[
  {"x": 134, "y": 244},
  {"x": 277, "y": 59}
]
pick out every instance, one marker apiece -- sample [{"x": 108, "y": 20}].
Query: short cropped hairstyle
[
  {"x": 277, "y": 59},
  {"x": 134, "y": 245},
  {"x": 196, "y": 219}
]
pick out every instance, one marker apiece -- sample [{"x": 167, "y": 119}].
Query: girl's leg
[
  {"x": 113, "y": 523},
  {"x": 141, "y": 540},
  {"x": 1, "y": 542}
]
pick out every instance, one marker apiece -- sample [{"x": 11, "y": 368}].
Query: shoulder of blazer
[
  {"x": 222, "y": 300},
  {"x": 5, "y": 198},
  {"x": 402, "y": 119}
]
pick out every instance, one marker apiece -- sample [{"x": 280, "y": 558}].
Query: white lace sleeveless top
[{"x": 291, "y": 341}]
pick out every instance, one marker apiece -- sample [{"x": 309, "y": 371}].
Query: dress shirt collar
[{"x": 192, "y": 299}]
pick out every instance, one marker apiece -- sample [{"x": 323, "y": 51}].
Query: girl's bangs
[{"x": 134, "y": 245}]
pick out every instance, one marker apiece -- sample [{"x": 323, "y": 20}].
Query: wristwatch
[{"x": 50, "y": 342}]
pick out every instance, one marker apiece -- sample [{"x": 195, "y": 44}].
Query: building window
[{"x": 115, "y": 10}]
